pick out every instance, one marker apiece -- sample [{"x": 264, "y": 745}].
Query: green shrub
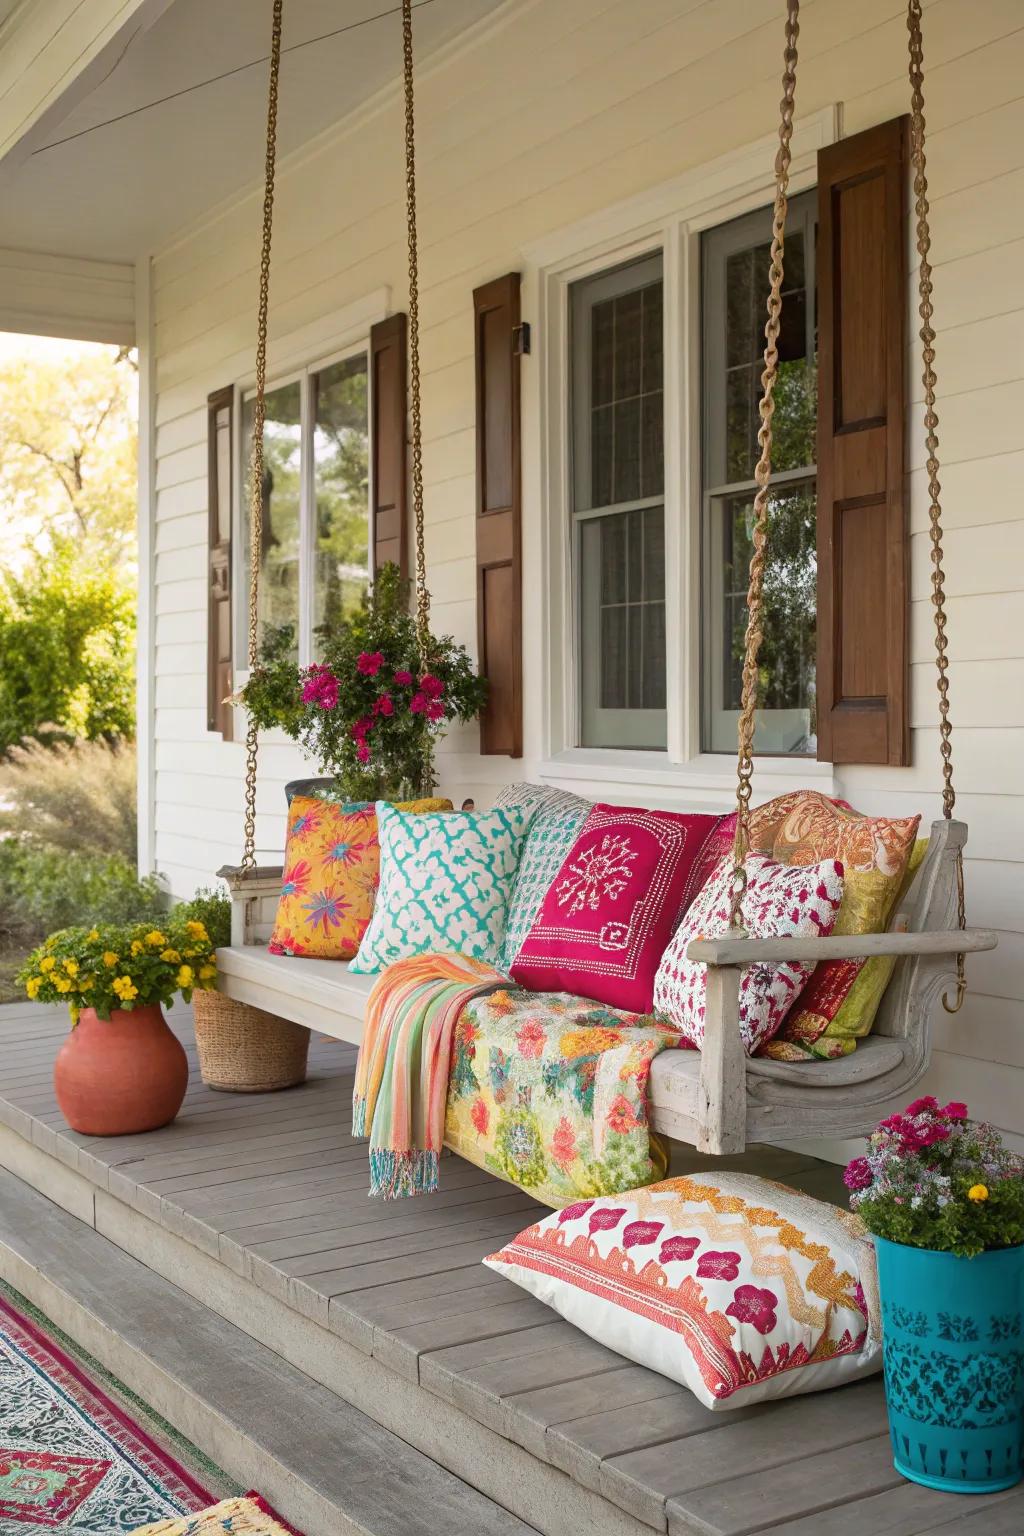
[
  {"x": 67, "y": 645},
  {"x": 43, "y": 889},
  {"x": 212, "y": 908},
  {"x": 78, "y": 796}
]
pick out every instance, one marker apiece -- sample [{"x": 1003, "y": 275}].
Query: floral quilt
[{"x": 549, "y": 1091}]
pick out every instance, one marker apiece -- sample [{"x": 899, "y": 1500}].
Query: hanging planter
[
  {"x": 945, "y": 1202},
  {"x": 369, "y": 713}
]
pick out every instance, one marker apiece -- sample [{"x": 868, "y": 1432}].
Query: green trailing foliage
[{"x": 934, "y": 1179}]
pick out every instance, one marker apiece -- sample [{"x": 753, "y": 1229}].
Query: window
[
  {"x": 618, "y": 509},
  {"x": 734, "y": 264},
  {"x": 315, "y": 556}
]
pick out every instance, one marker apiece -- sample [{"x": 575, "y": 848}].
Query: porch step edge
[{"x": 330, "y": 1469}]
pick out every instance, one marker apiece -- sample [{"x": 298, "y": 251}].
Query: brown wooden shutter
[
  {"x": 863, "y": 692},
  {"x": 220, "y": 437},
  {"x": 499, "y": 598},
  {"x": 390, "y": 493}
]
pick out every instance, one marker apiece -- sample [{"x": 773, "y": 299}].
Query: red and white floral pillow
[
  {"x": 781, "y": 901},
  {"x": 738, "y": 1288}
]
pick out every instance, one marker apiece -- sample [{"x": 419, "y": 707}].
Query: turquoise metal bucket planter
[{"x": 953, "y": 1353}]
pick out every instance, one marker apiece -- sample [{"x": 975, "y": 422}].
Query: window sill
[{"x": 709, "y": 778}]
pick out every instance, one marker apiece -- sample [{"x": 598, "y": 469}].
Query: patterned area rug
[{"x": 73, "y": 1461}]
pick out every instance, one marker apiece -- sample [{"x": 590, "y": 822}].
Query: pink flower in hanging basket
[
  {"x": 434, "y": 710},
  {"x": 403, "y": 678},
  {"x": 384, "y": 705},
  {"x": 363, "y": 752},
  {"x": 432, "y": 686},
  {"x": 362, "y": 728},
  {"x": 369, "y": 663},
  {"x": 321, "y": 687},
  {"x": 418, "y": 704}
]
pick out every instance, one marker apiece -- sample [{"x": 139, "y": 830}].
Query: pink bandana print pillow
[
  {"x": 780, "y": 901},
  {"x": 610, "y": 911}
]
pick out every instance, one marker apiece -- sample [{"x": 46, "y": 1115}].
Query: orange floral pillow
[
  {"x": 840, "y": 1000},
  {"x": 331, "y": 872}
]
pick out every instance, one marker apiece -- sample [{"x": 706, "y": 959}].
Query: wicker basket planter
[{"x": 246, "y": 1050}]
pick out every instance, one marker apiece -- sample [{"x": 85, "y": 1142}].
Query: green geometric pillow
[
  {"x": 557, "y": 817},
  {"x": 445, "y": 883}
]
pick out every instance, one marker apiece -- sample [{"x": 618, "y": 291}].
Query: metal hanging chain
[
  {"x": 931, "y": 421},
  {"x": 258, "y": 420},
  {"x": 762, "y": 473},
  {"x": 422, "y": 595}
]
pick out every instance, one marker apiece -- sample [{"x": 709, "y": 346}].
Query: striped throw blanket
[{"x": 401, "y": 1084}]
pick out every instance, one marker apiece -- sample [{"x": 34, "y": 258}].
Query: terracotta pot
[{"x": 121, "y": 1075}]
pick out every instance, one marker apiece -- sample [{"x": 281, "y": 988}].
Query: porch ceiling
[{"x": 176, "y": 125}]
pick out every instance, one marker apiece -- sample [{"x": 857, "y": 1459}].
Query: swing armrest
[
  {"x": 254, "y": 896},
  {"x": 746, "y": 951}
]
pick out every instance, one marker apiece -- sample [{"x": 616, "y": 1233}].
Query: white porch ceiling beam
[
  {"x": 52, "y": 54},
  {"x": 65, "y": 296}
]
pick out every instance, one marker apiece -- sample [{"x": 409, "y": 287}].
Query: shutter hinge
[{"x": 521, "y": 339}]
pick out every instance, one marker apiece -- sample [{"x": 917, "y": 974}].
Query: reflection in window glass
[
  {"x": 341, "y": 470},
  {"x": 618, "y": 505},
  {"x": 279, "y": 556},
  {"x": 735, "y": 287}
]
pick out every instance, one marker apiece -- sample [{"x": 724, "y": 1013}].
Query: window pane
[
  {"x": 619, "y": 463},
  {"x": 622, "y": 601},
  {"x": 735, "y": 259},
  {"x": 787, "y": 658},
  {"x": 279, "y": 555},
  {"x": 341, "y": 469}
]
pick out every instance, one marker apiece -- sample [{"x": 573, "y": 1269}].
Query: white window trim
[
  {"x": 670, "y": 218},
  {"x": 297, "y": 356}
]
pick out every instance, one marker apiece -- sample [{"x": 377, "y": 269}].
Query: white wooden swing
[{"x": 721, "y": 1099}]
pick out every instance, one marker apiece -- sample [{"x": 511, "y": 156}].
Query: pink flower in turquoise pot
[{"x": 369, "y": 663}]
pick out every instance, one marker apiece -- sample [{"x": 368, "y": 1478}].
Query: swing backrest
[{"x": 930, "y": 906}]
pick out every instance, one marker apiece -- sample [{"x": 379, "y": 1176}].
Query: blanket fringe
[
  {"x": 359, "y": 1115},
  {"x": 394, "y": 1175}
]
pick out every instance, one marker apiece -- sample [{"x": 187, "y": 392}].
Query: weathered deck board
[{"x": 274, "y": 1189}]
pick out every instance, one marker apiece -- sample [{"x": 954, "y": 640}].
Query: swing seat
[{"x": 720, "y": 1099}]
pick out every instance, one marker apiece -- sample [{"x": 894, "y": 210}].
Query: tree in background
[
  {"x": 67, "y": 559},
  {"x": 68, "y": 452},
  {"x": 67, "y": 644}
]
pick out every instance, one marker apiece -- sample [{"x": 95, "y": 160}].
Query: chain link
[
  {"x": 258, "y": 420},
  {"x": 422, "y": 595},
  {"x": 931, "y": 422},
  {"x": 762, "y": 474}
]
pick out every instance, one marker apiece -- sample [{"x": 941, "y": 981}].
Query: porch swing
[{"x": 720, "y": 1099}]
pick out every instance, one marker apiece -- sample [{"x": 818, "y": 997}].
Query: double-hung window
[
  {"x": 619, "y": 538},
  {"x": 315, "y": 546}
]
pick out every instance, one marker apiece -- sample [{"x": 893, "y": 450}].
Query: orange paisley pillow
[{"x": 331, "y": 873}]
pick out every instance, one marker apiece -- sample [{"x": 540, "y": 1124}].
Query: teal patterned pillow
[
  {"x": 445, "y": 883},
  {"x": 556, "y": 818}
]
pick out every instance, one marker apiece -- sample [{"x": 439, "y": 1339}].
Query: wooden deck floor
[{"x": 274, "y": 1189}]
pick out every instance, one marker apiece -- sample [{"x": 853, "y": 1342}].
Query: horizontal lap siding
[{"x": 559, "y": 112}]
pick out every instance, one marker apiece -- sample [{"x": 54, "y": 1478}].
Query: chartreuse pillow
[{"x": 445, "y": 884}]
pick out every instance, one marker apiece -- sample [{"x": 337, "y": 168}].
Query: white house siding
[{"x": 553, "y": 113}]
